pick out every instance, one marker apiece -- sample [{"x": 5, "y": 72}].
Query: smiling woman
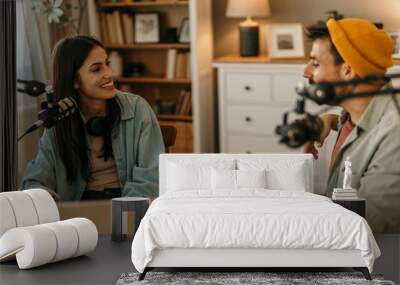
[{"x": 107, "y": 149}]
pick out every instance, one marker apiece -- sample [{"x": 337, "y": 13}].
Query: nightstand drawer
[
  {"x": 254, "y": 119},
  {"x": 255, "y": 144},
  {"x": 248, "y": 87}
]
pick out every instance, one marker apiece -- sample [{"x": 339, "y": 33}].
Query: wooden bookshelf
[
  {"x": 150, "y": 46},
  {"x": 169, "y": 82},
  {"x": 144, "y": 4},
  {"x": 152, "y": 79}
]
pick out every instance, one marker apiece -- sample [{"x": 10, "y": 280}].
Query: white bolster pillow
[
  {"x": 23, "y": 209},
  {"x": 40, "y": 244},
  {"x": 46, "y": 207},
  {"x": 26, "y": 208},
  {"x": 7, "y": 218}
]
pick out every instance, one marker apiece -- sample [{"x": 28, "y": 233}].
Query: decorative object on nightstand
[
  {"x": 248, "y": 30},
  {"x": 139, "y": 205},
  {"x": 347, "y": 192},
  {"x": 355, "y": 205}
]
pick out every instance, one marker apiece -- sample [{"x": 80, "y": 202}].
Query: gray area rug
[{"x": 232, "y": 278}]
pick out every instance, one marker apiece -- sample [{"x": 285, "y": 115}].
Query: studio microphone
[
  {"x": 321, "y": 93},
  {"x": 51, "y": 114},
  {"x": 33, "y": 88},
  {"x": 301, "y": 131}
]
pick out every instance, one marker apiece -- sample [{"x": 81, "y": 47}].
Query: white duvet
[{"x": 250, "y": 219}]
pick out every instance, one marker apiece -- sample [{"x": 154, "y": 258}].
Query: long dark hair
[{"x": 68, "y": 57}]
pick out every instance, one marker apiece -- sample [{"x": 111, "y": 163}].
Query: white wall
[{"x": 303, "y": 11}]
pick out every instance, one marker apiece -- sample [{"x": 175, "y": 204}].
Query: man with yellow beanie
[{"x": 369, "y": 128}]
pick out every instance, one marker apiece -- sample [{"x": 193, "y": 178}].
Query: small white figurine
[{"x": 347, "y": 174}]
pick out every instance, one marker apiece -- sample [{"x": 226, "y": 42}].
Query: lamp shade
[{"x": 248, "y": 8}]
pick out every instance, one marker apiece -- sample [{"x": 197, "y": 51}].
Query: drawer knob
[
  {"x": 247, "y": 88},
  {"x": 248, "y": 151},
  {"x": 248, "y": 119}
]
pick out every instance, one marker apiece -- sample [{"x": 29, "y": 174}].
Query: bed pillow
[
  {"x": 228, "y": 179},
  {"x": 251, "y": 178},
  {"x": 285, "y": 174},
  {"x": 223, "y": 179},
  {"x": 189, "y": 176}
]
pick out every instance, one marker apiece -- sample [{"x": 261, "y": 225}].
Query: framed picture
[
  {"x": 147, "y": 28},
  {"x": 285, "y": 40},
  {"x": 396, "y": 40},
  {"x": 184, "y": 31}
]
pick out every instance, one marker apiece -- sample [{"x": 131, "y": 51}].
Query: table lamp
[{"x": 248, "y": 30}]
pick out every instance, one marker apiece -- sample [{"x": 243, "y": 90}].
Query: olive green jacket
[
  {"x": 136, "y": 141},
  {"x": 374, "y": 150}
]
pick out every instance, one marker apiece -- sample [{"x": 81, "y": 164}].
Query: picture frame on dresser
[
  {"x": 396, "y": 40},
  {"x": 147, "y": 27},
  {"x": 285, "y": 40}
]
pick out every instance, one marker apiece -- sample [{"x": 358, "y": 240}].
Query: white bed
[{"x": 225, "y": 210}]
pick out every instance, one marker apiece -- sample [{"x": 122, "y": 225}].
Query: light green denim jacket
[
  {"x": 374, "y": 150},
  {"x": 137, "y": 142}
]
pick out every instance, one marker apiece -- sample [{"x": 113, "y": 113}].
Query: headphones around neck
[{"x": 97, "y": 126}]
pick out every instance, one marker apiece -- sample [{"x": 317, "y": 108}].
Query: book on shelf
[
  {"x": 128, "y": 31},
  {"x": 184, "y": 103},
  {"x": 179, "y": 101},
  {"x": 188, "y": 65},
  {"x": 111, "y": 29},
  {"x": 104, "y": 28},
  {"x": 117, "y": 28},
  {"x": 177, "y": 65},
  {"x": 181, "y": 65},
  {"x": 188, "y": 108},
  {"x": 171, "y": 63}
]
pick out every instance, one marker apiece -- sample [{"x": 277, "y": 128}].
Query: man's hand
[{"x": 330, "y": 123}]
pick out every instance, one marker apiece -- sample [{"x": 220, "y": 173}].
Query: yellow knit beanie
[{"x": 364, "y": 47}]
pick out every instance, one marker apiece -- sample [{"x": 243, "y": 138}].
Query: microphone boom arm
[{"x": 298, "y": 132}]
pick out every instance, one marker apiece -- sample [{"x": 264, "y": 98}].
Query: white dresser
[
  {"x": 252, "y": 98},
  {"x": 253, "y": 95}
]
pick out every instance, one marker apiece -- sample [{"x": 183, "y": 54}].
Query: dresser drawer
[
  {"x": 248, "y": 86},
  {"x": 284, "y": 87},
  {"x": 253, "y": 144},
  {"x": 259, "y": 120}
]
